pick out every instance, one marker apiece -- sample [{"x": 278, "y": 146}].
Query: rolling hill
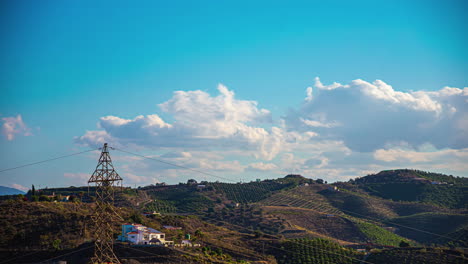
[{"x": 285, "y": 220}]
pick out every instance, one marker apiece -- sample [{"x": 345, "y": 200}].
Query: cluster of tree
[
  {"x": 378, "y": 235},
  {"x": 181, "y": 199},
  {"x": 316, "y": 250},
  {"x": 408, "y": 175},
  {"x": 417, "y": 255},
  {"x": 249, "y": 192},
  {"x": 441, "y": 195}
]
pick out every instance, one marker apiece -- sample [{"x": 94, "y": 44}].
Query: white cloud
[
  {"x": 19, "y": 187},
  {"x": 314, "y": 123},
  {"x": 13, "y": 126},
  {"x": 201, "y": 122},
  {"x": 367, "y": 116},
  {"x": 381, "y": 91},
  {"x": 417, "y": 156},
  {"x": 77, "y": 179},
  {"x": 309, "y": 96},
  {"x": 338, "y": 132},
  {"x": 317, "y": 162},
  {"x": 318, "y": 84},
  {"x": 424, "y": 157},
  {"x": 131, "y": 178},
  {"x": 260, "y": 166}
]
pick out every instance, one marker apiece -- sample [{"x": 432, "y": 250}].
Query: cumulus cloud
[
  {"x": 13, "y": 126},
  {"x": 319, "y": 85},
  {"x": 314, "y": 123},
  {"x": 367, "y": 116},
  {"x": 201, "y": 122},
  {"x": 339, "y": 131},
  {"x": 309, "y": 94}
]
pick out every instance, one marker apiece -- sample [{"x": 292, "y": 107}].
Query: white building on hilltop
[{"x": 141, "y": 235}]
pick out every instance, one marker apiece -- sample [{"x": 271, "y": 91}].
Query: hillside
[
  {"x": 9, "y": 191},
  {"x": 417, "y": 186},
  {"x": 285, "y": 220}
]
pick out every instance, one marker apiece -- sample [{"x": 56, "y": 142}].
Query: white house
[{"x": 141, "y": 235}]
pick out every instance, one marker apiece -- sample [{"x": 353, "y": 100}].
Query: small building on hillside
[
  {"x": 233, "y": 205},
  {"x": 186, "y": 242},
  {"x": 151, "y": 213},
  {"x": 141, "y": 235}
]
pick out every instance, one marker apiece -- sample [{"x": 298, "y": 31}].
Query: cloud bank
[{"x": 338, "y": 131}]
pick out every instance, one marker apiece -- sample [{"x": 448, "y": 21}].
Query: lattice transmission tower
[{"x": 106, "y": 179}]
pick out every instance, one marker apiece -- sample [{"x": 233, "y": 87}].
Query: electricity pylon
[{"x": 106, "y": 179}]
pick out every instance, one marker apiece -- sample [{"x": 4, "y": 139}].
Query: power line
[
  {"x": 187, "y": 168},
  {"x": 51, "y": 159},
  {"x": 21, "y": 256},
  {"x": 173, "y": 164},
  {"x": 75, "y": 251}
]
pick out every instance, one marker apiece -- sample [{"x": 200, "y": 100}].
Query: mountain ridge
[{"x": 4, "y": 190}]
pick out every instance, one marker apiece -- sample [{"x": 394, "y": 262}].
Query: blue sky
[{"x": 67, "y": 65}]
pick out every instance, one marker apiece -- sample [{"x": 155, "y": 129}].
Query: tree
[
  {"x": 191, "y": 182},
  {"x": 21, "y": 197},
  {"x": 44, "y": 198},
  {"x": 319, "y": 181},
  {"x": 81, "y": 194},
  {"x": 56, "y": 244},
  {"x": 33, "y": 190},
  {"x": 58, "y": 197},
  {"x": 404, "y": 244},
  {"x": 136, "y": 218},
  {"x": 199, "y": 233},
  {"x": 72, "y": 198}
]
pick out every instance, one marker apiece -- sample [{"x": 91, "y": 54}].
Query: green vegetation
[
  {"x": 249, "y": 192},
  {"x": 297, "y": 251},
  {"x": 44, "y": 225},
  {"x": 160, "y": 206},
  {"x": 378, "y": 235},
  {"x": 184, "y": 199},
  {"x": 413, "y": 185},
  {"x": 441, "y": 195},
  {"x": 417, "y": 255},
  {"x": 237, "y": 223},
  {"x": 406, "y": 175},
  {"x": 452, "y": 226}
]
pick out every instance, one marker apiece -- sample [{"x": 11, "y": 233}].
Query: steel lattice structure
[{"x": 106, "y": 179}]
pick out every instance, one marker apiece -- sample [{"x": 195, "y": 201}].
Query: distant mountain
[{"x": 9, "y": 191}]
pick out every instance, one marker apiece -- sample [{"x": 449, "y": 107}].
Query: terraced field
[{"x": 303, "y": 197}]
